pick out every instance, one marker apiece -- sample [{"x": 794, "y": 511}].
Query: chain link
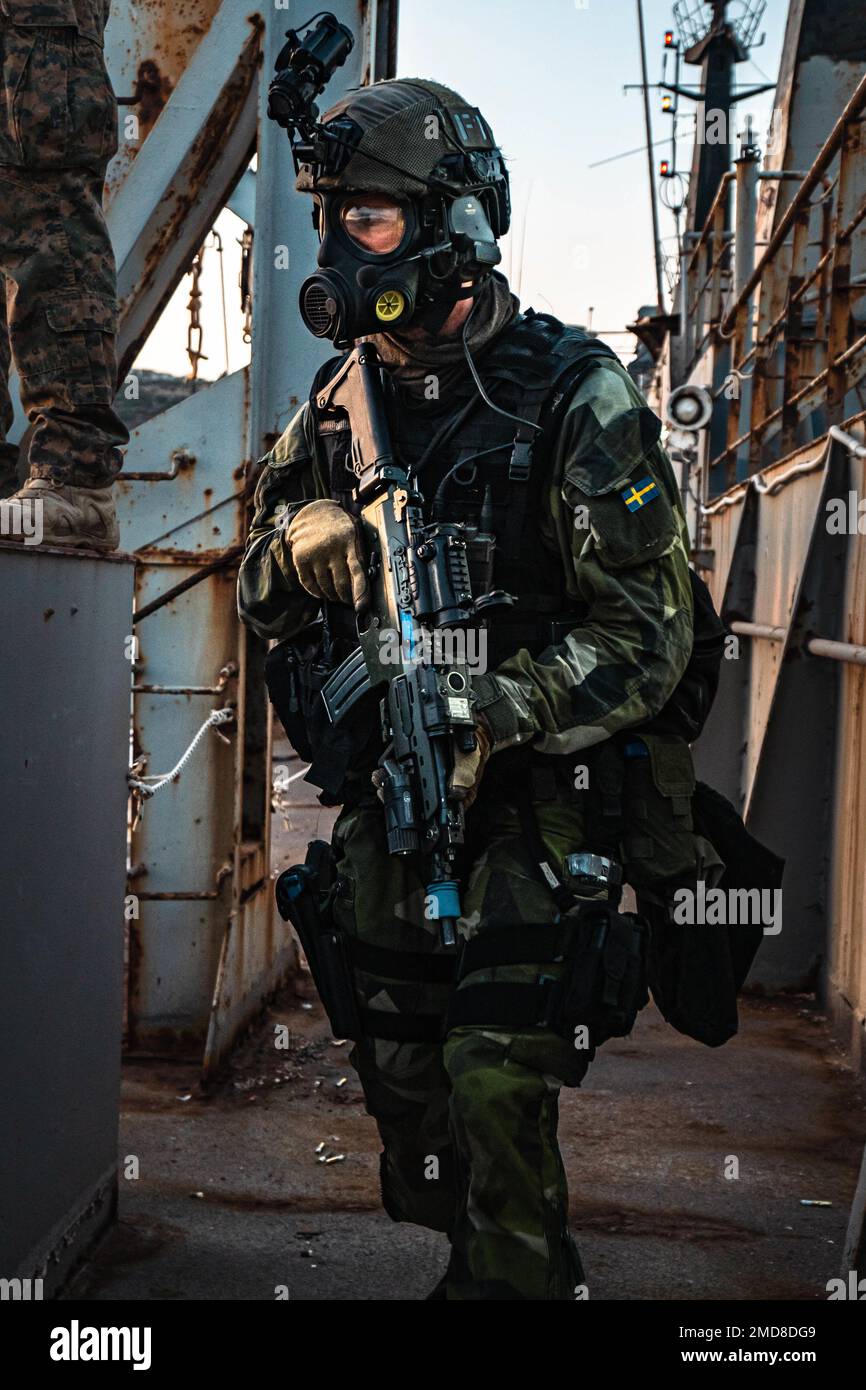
[
  {"x": 195, "y": 332},
  {"x": 246, "y": 282}
]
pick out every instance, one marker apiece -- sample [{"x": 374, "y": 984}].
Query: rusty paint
[
  {"x": 163, "y": 39},
  {"x": 152, "y": 90},
  {"x": 780, "y": 402}
]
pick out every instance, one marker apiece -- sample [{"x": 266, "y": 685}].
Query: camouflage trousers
[
  {"x": 58, "y": 325},
  {"x": 469, "y": 1127}
]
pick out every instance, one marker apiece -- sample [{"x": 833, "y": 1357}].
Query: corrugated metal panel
[
  {"x": 848, "y": 926},
  {"x": 785, "y": 522}
]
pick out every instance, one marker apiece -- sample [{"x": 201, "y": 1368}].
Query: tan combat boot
[{"x": 45, "y": 513}]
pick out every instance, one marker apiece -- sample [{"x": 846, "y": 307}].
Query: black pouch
[
  {"x": 600, "y": 983},
  {"x": 295, "y": 672},
  {"x": 688, "y": 708},
  {"x": 305, "y": 895},
  {"x": 697, "y": 971},
  {"x": 605, "y": 986}
]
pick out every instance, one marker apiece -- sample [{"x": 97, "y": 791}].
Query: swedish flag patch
[{"x": 637, "y": 495}]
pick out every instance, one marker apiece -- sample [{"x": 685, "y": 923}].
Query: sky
[{"x": 549, "y": 77}]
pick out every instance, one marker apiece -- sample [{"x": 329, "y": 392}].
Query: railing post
[
  {"x": 794, "y": 330},
  {"x": 744, "y": 264},
  {"x": 840, "y": 284}
]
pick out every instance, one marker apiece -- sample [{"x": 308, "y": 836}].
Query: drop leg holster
[
  {"x": 305, "y": 895},
  {"x": 601, "y": 985}
]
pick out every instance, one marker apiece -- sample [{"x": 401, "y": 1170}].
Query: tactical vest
[{"x": 528, "y": 371}]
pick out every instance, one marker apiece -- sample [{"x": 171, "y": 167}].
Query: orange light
[
  {"x": 667, "y": 103},
  {"x": 665, "y": 169}
]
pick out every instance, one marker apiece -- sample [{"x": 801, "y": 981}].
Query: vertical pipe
[
  {"x": 840, "y": 284},
  {"x": 746, "y": 215},
  {"x": 657, "y": 246}
]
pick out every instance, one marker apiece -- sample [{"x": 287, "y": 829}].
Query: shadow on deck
[{"x": 233, "y": 1200}]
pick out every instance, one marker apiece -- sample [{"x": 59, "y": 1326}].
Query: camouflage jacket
[{"x": 626, "y": 571}]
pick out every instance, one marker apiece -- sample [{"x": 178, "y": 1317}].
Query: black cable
[
  {"x": 518, "y": 419},
  {"x": 470, "y": 458},
  {"x": 439, "y": 496}
]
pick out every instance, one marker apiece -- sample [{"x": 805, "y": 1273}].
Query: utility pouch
[
  {"x": 605, "y": 986},
  {"x": 295, "y": 672},
  {"x": 305, "y": 895},
  {"x": 658, "y": 841},
  {"x": 599, "y": 981},
  {"x": 480, "y": 553}
]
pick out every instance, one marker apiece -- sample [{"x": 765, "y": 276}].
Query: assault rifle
[{"x": 420, "y": 584}]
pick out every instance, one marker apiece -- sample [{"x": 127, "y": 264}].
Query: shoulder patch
[{"x": 639, "y": 494}]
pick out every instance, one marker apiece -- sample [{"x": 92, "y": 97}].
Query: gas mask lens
[
  {"x": 361, "y": 285},
  {"x": 374, "y": 222}
]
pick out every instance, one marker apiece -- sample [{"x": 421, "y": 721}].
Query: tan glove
[
  {"x": 325, "y": 550},
  {"x": 469, "y": 767}
]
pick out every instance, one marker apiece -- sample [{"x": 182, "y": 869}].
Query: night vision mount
[{"x": 304, "y": 67}]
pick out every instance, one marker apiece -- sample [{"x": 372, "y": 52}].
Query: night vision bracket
[{"x": 304, "y": 67}]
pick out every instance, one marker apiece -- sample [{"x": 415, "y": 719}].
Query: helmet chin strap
[{"x": 433, "y": 317}]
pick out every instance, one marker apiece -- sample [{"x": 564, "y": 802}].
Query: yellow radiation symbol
[{"x": 390, "y": 305}]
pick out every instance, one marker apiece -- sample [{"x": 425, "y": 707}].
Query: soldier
[
  {"x": 575, "y": 752},
  {"x": 58, "y": 130}
]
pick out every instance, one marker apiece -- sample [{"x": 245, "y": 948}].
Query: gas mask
[
  {"x": 410, "y": 188},
  {"x": 384, "y": 262}
]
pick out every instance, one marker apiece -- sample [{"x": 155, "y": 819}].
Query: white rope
[
  {"x": 149, "y": 786},
  {"x": 284, "y": 782}
]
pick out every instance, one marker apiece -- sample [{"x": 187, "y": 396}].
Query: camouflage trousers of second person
[
  {"x": 58, "y": 325},
  {"x": 469, "y": 1127}
]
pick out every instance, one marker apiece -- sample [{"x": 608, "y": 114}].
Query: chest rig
[{"x": 474, "y": 465}]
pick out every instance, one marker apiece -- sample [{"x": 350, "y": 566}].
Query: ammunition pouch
[
  {"x": 295, "y": 672},
  {"x": 601, "y": 985}
]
